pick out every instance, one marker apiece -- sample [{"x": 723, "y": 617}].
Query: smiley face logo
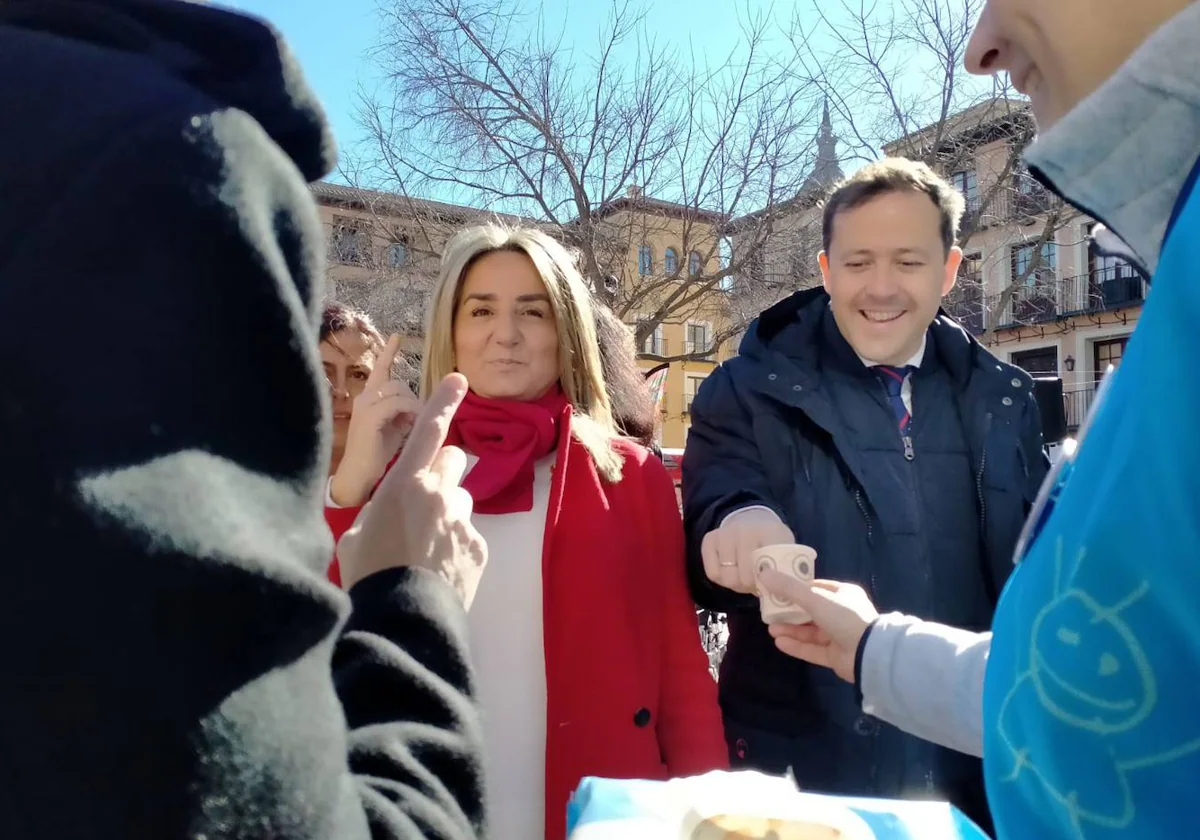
[
  {"x": 1088, "y": 667},
  {"x": 1084, "y": 697}
]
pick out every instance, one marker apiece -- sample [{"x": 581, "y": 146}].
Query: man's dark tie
[{"x": 893, "y": 380}]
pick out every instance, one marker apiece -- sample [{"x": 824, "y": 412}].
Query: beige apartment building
[
  {"x": 1032, "y": 287},
  {"x": 665, "y": 246}
]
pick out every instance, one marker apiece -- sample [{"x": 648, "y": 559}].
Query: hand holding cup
[
  {"x": 797, "y": 562},
  {"x": 841, "y": 614}
]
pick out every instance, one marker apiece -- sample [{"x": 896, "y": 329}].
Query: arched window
[
  {"x": 671, "y": 261},
  {"x": 645, "y": 259},
  {"x": 694, "y": 264}
]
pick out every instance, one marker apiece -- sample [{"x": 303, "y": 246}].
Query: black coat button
[
  {"x": 641, "y": 717},
  {"x": 865, "y": 726}
]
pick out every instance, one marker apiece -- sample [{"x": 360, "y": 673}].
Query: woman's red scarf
[{"x": 508, "y": 437}]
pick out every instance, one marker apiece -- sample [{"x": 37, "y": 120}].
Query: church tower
[{"x": 826, "y": 170}]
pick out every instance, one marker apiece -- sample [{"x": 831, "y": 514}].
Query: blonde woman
[{"x": 588, "y": 659}]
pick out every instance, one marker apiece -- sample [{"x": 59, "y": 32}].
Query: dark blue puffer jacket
[{"x": 795, "y": 423}]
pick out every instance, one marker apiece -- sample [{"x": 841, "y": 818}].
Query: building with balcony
[{"x": 667, "y": 247}]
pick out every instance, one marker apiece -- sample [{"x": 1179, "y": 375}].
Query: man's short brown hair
[{"x": 895, "y": 175}]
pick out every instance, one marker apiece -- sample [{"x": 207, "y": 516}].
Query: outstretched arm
[
  {"x": 926, "y": 679},
  {"x": 922, "y": 677},
  {"x": 722, "y": 474}
]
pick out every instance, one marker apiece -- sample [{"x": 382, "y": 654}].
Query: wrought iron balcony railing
[
  {"x": 1046, "y": 299},
  {"x": 1077, "y": 401}
]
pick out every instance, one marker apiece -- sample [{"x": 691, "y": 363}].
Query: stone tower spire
[{"x": 826, "y": 170}]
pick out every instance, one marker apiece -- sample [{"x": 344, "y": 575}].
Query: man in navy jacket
[
  {"x": 861, "y": 421},
  {"x": 175, "y": 664}
]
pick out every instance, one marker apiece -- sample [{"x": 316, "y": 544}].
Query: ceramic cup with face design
[{"x": 795, "y": 561}]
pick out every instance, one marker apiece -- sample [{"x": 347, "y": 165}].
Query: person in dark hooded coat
[{"x": 176, "y": 665}]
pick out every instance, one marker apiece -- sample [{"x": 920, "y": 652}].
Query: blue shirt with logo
[{"x": 1092, "y": 726}]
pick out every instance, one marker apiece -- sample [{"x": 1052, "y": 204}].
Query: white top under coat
[
  {"x": 506, "y": 636},
  {"x": 504, "y": 626}
]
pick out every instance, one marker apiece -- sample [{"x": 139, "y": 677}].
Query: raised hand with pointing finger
[
  {"x": 379, "y": 423},
  {"x": 419, "y": 515}
]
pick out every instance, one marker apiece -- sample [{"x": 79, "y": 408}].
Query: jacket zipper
[
  {"x": 987, "y": 576},
  {"x": 987, "y": 428},
  {"x": 910, "y": 455},
  {"x": 862, "y": 506},
  {"x": 915, "y": 491}
]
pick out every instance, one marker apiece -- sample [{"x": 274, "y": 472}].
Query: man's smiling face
[{"x": 886, "y": 271}]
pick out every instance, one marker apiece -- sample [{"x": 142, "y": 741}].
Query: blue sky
[{"x": 333, "y": 39}]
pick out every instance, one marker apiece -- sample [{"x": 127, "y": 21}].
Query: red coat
[
  {"x": 628, "y": 692},
  {"x": 339, "y": 521}
]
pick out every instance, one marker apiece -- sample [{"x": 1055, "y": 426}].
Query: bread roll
[{"x": 731, "y": 827}]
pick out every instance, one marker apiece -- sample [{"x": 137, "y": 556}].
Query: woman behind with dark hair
[
  {"x": 349, "y": 344},
  {"x": 632, "y": 407},
  {"x": 368, "y": 428}
]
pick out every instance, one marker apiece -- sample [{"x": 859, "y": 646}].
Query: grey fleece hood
[{"x": 1124, "y": 154}]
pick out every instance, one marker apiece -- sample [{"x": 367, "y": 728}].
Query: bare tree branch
[
  {"x": 632, "y": 144},
  {"x": 893, "y": 73}
]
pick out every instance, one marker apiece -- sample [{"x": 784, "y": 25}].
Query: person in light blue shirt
[{"x": 1082, "y": 699}]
